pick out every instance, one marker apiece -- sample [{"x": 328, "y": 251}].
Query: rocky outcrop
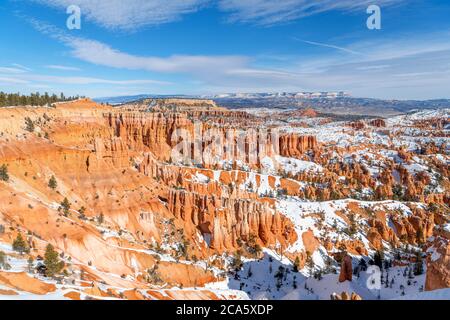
[
  {"x": 375, "y": 239},
  {"x": 148, "y": 132},
  {"x": 293, "y": 145},
  {"x": 228, "y": 221},
  {"x": 23, "y": 282},
  {"x": 346, "y": 269},
  {"x": 345, "y": 296},
  {"x": 357, "y": 125},
  {"x": 307, "y": 113},
  {"x": 384, "y": 232},
  {"x": 415, "y": 228},
  {"x": 438, "y": 265},
  {"x": 379, "y": 123}
]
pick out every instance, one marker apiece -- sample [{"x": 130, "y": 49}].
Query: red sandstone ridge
[{"x": 307, "y": 113}]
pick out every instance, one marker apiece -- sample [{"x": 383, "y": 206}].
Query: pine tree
[
  {"x": 249, "y": 273},
  {"x": 2, "y": 259},
  {"x": 101, "y": 218},
  {"x": 30, "y": 264},
  {"x": 363, "y": 264},
  {"x": 253, "y": 247},
  {"x": 310, "y": 262},
  {"x": 419, "y": 236},
  {"x": 237, "y": 263},
  {"x": 65, "y": 205},
  {"x": 4, "y": 176},
  {"x": 2, "y": 99},
  {"x": 81, "y": 211},
  {"x": 378, "y": 258},
  {"x": 52, "y": 183},
  {"x": 353, "y": 226},
  {"x": 29, "y": 125},
  {"x": 418, "y": 268},
  {"x": 279, "y": 276},
  {"x": 297, "y": 264},
  {"x": 20, "y": 245},
  {"x": 52, "y": 262},
  {"x": 34, "y": 99}
]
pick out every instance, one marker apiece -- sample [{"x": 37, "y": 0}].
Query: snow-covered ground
[
  {"x": 258, "y": 279},
  {"x": 441, "y": 294}
]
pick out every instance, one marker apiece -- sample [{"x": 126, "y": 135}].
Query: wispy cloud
[
  {"x": 135, "y": 14},
  {"x": 90, "y": 80},
  {"x": 130, "y": 14},
  {"x": 20, "y": 66},
  {"x": 400, "y": 67},
  {"x": 62, "y": 68},
  {"x": 40, "y": 86},
  {"x": 28, "y": 78},
  {"x": 373, "y": 67},
  {"x": 326, "y": 45},
  {"x": 23, "y": 75},
  {"x": 11, "y": 70},
  {"x": 269, "y": 12},
  {"x": 10, "y": 80}
]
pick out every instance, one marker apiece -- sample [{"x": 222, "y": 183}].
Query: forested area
[{"x": 34, "y": 99}]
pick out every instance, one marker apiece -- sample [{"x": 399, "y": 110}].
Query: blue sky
[{"x": 215, "y": 46}]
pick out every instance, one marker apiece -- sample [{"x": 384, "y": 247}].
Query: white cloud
[
  {"x": 91, "y": 80},
  {"x": 102, "y": 54},
  {"x": 17, "y": 65},
  {"x": 269, "y": 12},
  {"x": 130, "y": 14},
  {"x": 10, "y": 80},
  {"x": 11, "y": 70},
  {"x": 62, "y": 68},
  {"x": 373, "y": 67},
  {"x": 40, "y": 86},
  {"x": 211, "y": 70},
  {"x": 27, "y": 78},
  {"x": 99, "y": 53}
]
